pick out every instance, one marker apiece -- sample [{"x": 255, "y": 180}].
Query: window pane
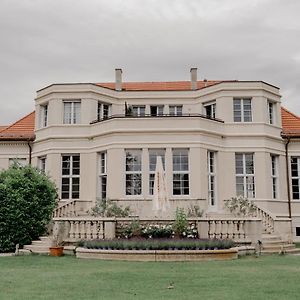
[{"x": 67, "y": 113}]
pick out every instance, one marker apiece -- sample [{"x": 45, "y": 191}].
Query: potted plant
[{"x": 57, "y": 248}]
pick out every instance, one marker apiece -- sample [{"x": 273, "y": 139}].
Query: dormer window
[
  {"x": 72, "y": 112},
  {"x": 210, "y": 110}
]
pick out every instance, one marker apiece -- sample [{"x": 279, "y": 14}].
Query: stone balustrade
[
  {"x": 242, "y": 230},
  {"x": 71, "y": 208}
]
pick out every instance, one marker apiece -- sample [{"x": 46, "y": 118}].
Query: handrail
[
  {"x": 267, "y": 218},
  {"x": 123, "y": 116}
]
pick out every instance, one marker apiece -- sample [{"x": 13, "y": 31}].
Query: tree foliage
[{"x": 27, "y": 200}]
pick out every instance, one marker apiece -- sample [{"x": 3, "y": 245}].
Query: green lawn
[{"x": 42, "y": 277}]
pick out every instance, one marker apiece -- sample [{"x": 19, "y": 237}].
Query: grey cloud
[{"x": 43, "y": 42}]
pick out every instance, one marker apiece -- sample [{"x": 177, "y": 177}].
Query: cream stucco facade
[{"x": 190, "y": 129}]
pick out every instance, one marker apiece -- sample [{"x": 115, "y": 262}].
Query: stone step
[
  {"x": 278, "y": 247},
  {"x": 24, "y": 252},
  {"x": 295, "y": 251},
  {"x": 45, "y": 238},
  {"x": 37, "y": 249},
  {"x": 41, "y": 243},
  {"x": 270, "y": 237}
]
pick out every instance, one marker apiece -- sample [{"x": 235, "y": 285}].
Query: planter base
[{"x": 56, "y": 251}]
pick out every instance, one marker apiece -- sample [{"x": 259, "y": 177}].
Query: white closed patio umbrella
[{"x": 160, "y": 202}]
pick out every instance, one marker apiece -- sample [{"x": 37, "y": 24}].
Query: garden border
[{"x": 158, "y": 255}]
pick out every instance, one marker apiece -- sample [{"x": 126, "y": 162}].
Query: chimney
[
  {"x": 118, "y": 85},
  {"x": 193, "y": 79}
]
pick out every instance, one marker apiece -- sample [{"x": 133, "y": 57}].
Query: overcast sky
[{"x": 55, "y": 41}]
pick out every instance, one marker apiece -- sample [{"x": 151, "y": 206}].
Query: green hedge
[
  {"x": 157, "y": 244},
  {"x": 27, "y": 200}
]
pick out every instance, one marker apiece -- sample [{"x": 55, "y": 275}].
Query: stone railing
[
  {"x": 267, "y": 219},
  {"x": 88, "y": 228},
  {"x": 71, "y": 208}
]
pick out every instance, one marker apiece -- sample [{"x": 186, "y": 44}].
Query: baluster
[
  {"x": 94, "y": 231},
  {"x": 101, "y": 230},
  {"x": 77, "y": 230},
  {"x": 212, "y": 227},
  {"x": 230, "y": 229},
  {"x": 88, "y": 230},
  {"x": 72, "y": 230}
]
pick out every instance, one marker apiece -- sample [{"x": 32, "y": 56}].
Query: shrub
[
  {"x": 158, "y": 244},
  {"x": 240, "y": 206},
  {"x": 180, "y": 224},
  {"x": 107, "y": 208},
  {"x": 133, "y": 229},
  {"x": 195, "y": 211},
  {"x": 27, "y": 200},
  {"x": 157, "y": 231}
]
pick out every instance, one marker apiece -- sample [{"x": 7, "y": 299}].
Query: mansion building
[{"x": 217, "y": 140}]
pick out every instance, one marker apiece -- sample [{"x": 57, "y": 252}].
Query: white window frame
[
  {"x": 75, "y": 115},
  {"x": 248, "y": 179},
  {"x": 21, "y": 161},
  {"x": 102, "y": 175},
  {"x": 242, "y": 110},
  {"x": 175, "y": 110},
  {"x": 134, "y": 190},
  {"x": 44, "y": 115},
  {"x": 70, "y": 176},
  {"x": 212, "y": 175},
  {"x": 213, "y": 106},
  {"x": 181, "y": 172},
  {"x": 295, "y": 178},
  {"x": 271, "y": 112},
  {"x": 139, "y": 110},
  {"x": 159, "y": 110},
  {"x": 103, "y": 110},
  {"x": 155, "y": 153},
  {"x": 42, "y": 161},
  {"x": 274, "y": 175}
]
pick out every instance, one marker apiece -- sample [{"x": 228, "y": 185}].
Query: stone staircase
[
  {"x": 274, "y": 244},
  {"x": 41, "y": 246}
]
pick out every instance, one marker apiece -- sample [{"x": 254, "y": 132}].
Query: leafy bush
[
  {"x": 180, "y": 225},
  {"x": 240, "y": 206},
  {"x": 133, "y": 229},
  {"x": 27, "y": 200},
  {"x": 157, "y": 244},
  {"x": 107, "y": 208}
]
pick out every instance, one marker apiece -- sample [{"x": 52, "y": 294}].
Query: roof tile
[{"x": 23, "y": 129}]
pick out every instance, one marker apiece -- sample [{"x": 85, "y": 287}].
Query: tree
[{"x": 27, "y": 200}]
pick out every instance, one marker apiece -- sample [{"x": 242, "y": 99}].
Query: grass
[{"x": 42, "y": 277}]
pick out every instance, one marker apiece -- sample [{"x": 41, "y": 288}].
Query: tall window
[
  {"x": 42, "y": 163},
  {"x": 181, "y": 172},
  {"x": 211, "y": 166},
  {"x": 102, "y": 175},
  {"x": 244, "y": 169},
  {"x": 175, "y": 110},
  {"x": 102, "y": 111},
  {"x": 70, "y": 176},
  {"x": 44, "y": 115},
  {"x": 156, "y": 110},
  {"x": 242, "y": 110},
  {"x": 138, "y": 110},
  {"x": 133, "y": 172},
  {"x": 19, "y": 161},
  {"x": 295, "y": 168},
  {"x": 153, "y": 154},
  {"x": 72, "y": 112},
  {"x": 274, "y": 175},
  {"x": 210, "y": 110},
  {"x": 271, "y": 112}
]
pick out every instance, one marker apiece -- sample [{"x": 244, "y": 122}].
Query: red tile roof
[
  {"x": 161, "y": 86},
  {"x": 290, "y": 123},
  {"x": 2, "y": 127},
  {"x": 23, "y": 129}
]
